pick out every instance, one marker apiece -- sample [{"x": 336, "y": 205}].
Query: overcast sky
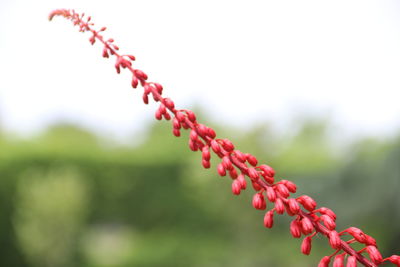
[{"x": 243, "y": 61}]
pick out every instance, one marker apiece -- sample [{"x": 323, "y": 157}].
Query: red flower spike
[
  {"x": 374, "y": 254},
  {"x": 233, "y": 173},
  {"x": 328, "y": 222},
  {"x": 306, "y": 245},
  {"x": 271, "y": 195},
  {"x": 279, "y": 207},
  {"x": 227, "y": 163},
  {"x": 290, "y": 185},
  {"x": 351, "y": 261},
  {"x": 306, "y": 226},
  {"x": 227, "y": 145},
  {"x": 252, "y": 160},
  {"x": 206, "y": 153},
  {"x": 125, "y": 61},
  {"x": 221, "y": 170},
  {"x": 236, "y": 187},
  {"x": 269, "y": 219},
  {"x": 239, "y": 155},
  {"x": 293, "y": 206},
  {"x": 253, "y": 173},
  {"x": 339, "y": 260},
  {"x": 295, "y": 228},
  {"x": 169, "y": 103},
  {"x": 259, "y": 201},
  {"x": 215, "y": 147},
  {"x": 176, "y": 132},
  {"x": 282, "y": 190},
  {"x": 324, "y": 262},
  {"x": 242, "y": 181},
  {"x": 334, "y": 240},
  {"x": 206, "y": 164}
]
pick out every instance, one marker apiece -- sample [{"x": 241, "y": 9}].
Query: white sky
[{"x": 241, "y": 60}]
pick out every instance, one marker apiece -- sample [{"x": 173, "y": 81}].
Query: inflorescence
[{"x": 243, "y": 168}]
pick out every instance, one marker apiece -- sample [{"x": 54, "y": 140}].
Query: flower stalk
[{"x": 308, "y": 220}]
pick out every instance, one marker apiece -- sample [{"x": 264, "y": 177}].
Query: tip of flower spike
[{"x": 59, "y": 12}]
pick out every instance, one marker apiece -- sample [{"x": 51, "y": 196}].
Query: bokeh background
[{"x": 87, "y": 178}]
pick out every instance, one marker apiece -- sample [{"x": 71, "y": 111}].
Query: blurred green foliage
[{"x": 70, "y": 198}]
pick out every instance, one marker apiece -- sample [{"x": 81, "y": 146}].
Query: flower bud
[
  {"x": 140, "y": 74},
  {"x": 324, "y": 262},
  {"x": 227, "y": 145},
  {"x": 233, "y": 173},
  {"x": 271, "y": 195},
  {"x": 253, "y": 173},
  {"x": 256, "y": 186},
  {"x": 267, "y": 170},
  {"x": 191, "y": 115},
  {"x": 239, "y": 155},
  {"x": 307, "y": 202},
  {"x": 215, "y": 146},
  {"x": 259, "y": 201},
  {"x": 206, "y": 163},
  {"x": 290, "y": 185},
  {"x": 158, "y": 87},
  {"x": 282, "y": 190},
  {"x": 306, "y": 226},
  {"x": 293, "y": 206},
  {"x": 374, "y": 254},
  {"x": 193, "y": 145},
  {"x": 193, "y": 135},
  {"x": 169, "y": 103},
  {"x": 328, "y": 212},
  {"x": 334, "y": 240},
  {"x": 202, "y": 129},
  {"x": 236, "y": 187},
  {"x": 180, "y": 116},
  {"x": 251, "y": 159},
  {"x": 145, "y": 99},
  {"x": 211, "y": 133},
  {"x": 227, "y": 163},
  {"x": 306, "y": 245},
  {"x": 279, "y": 207},
  {"x": 242, "y": 181},
  {"x": 295, "y": 228},
  {"x": 269, "y": 219},
  {"x": 206, "y": 153},
  {"x": 221, "y": 170},
  {"x": 339, "y": 260},
  {"x": 351, "y": 261},
  {"x": 158, "y": 114},
  {"x": 176, "y": 124},
  {"x": 176, "y": 132},
  {"x": 328, "y": 222}
]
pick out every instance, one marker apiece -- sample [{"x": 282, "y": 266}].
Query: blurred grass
[{"x": 70, "y": 198}]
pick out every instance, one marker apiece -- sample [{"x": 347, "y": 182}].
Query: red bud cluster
[{"x": 307, "y": 219}]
